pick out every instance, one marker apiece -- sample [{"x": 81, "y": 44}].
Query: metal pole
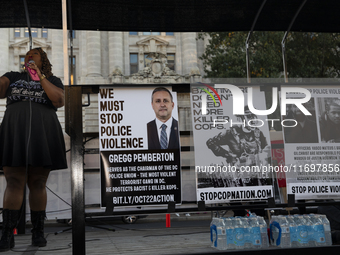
[
  {"x": 22, "y": 221},
  {"x": 248, "y": 38},
  {"x": 283, "y": 43},
  {"x": 28, "y": 24},
  {"x": 65, "y": 48},
  {"x": 73, "y": 112},
  {"x": 74, "y": 97},
  {"x": 71, "y": 81}
]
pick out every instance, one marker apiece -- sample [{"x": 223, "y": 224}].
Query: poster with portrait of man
[
  {"x": 312, "y": 146},
  {"x": 329, "y": 119},
  {"x": 139, "y": 146},
  {"x": 231, "y": 150}
]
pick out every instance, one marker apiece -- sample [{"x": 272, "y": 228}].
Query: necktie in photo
[{"x": 164, "y": 139}]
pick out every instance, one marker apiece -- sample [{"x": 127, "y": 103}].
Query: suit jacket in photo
[{"x": 153, "y": 138}]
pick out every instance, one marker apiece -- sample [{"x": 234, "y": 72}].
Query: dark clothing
[
  {"x": 153, "y": 138},
  {"x": 35, "y": 122},
  {"x": 298, "y": 134},
  {"x": 19, "y": 89},
  {"x": 329, "y": 130}
]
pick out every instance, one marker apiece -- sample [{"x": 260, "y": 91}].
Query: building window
[
  {"x": 72, "y": 66},
  {"x": 169, "y": 33},
  {"x": 44, "y": 33},
  {"x": 34, "y": 32},
  {"x": 73, "y": 34},
  {"x": 133, "y": 63},
  {"x": 133, "y": 33},
  {"x": 147, "y": 60},
  {"x": 171, "y": 61},
  {"x": 151, "y": 33},
  {"x": 17, "y": 32},
  {"x": 22, "y": 64}
]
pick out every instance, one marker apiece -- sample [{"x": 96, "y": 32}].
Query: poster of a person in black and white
[
  {"x": 305, "y": 130},
  {"x": 243, "y": 146},
  {"x": 313, "y": 154},
  {"x": 329, "y": 120},
  {"x": 231, "y": 149}
]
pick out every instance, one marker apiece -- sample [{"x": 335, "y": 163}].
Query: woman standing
[{"x": 31, "y": 142}]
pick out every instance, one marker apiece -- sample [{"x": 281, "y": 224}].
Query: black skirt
[{"x": 30, "y": 133}]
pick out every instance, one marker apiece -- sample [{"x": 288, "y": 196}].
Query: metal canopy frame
[
  {"x": 248, "y": 38},
  {"x": 176, "y": 15},
  {"x": 283, "y": 43}
]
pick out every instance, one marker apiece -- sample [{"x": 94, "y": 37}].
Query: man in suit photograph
[{"x": 163, "y": 130}]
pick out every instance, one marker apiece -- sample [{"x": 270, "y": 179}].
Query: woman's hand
[
  {"x": 55, "y": 94},
  {"x": 33, "y": 66}
]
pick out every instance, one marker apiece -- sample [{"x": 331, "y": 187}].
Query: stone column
[
  {"x": 116, "y": 51},
  {"x": 105, "y": 71},
  {"x": 57, "y": 58},
  {"x": 93, "y": 54},
  {"x": 189, "y": 50},
  {"x": 4, "y": 51}
]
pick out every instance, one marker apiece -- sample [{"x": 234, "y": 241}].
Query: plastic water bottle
[
  {"x": 248, "y": 243},
  {"x": 310, "y": 229},
  {"x": 213, "y": 231},
  {"x": 240, "y": 231},
  {"x": 293, "y": 231},
  {"x": 254, "y": 233},
  {"x": 318, "y": 230},
  {"x": 221, "y": 241},
  {"x": 285, "y": 238},
  {"x": 302, "y": 231},
  {"x": 327, "y": 229},
  {"x": 229, "y": 229},
  {"x": 264, "y": 232},
  {"x": 279, "y": 228},
  {"x": 274, "y": 231}
]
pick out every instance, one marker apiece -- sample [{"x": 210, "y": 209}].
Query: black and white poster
[
  {"x": 139, "y": 146},
  {"x": 232, "y": 151},
  {"x": 312, "y": 146}
]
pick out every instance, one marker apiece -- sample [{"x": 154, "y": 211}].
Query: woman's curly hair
[{"x": 46, "y": 65}]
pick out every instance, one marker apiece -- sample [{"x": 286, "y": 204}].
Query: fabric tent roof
[{"x": 176, "y": 15}]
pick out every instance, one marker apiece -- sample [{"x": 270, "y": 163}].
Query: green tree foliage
[
  {"x": 309, "y": 55},
  {"x": 313, "y": 55}
]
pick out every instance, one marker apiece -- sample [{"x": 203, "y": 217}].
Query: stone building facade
[{"x": 102, "y": 57}]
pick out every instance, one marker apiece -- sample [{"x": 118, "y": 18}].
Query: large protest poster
[
  {"x": 232, "y": 152},
  {"x": 312, "y": 144},
  {"x": 134, "y": 169}
]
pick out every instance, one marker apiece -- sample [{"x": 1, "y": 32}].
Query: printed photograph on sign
[
  {"x": 231, "y": 150},
  {"x": 312, "y": 147},
  {"x": 139, "y": 146},
  {"x": 329, "y": 119},
  {"x": 304, "y": 128},
  {"x": 163, "y": 130}
]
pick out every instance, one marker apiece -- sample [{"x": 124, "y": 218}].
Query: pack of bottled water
[
  {"x": 300, "y": 230},
  {"x": 239, "y": 233}
]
